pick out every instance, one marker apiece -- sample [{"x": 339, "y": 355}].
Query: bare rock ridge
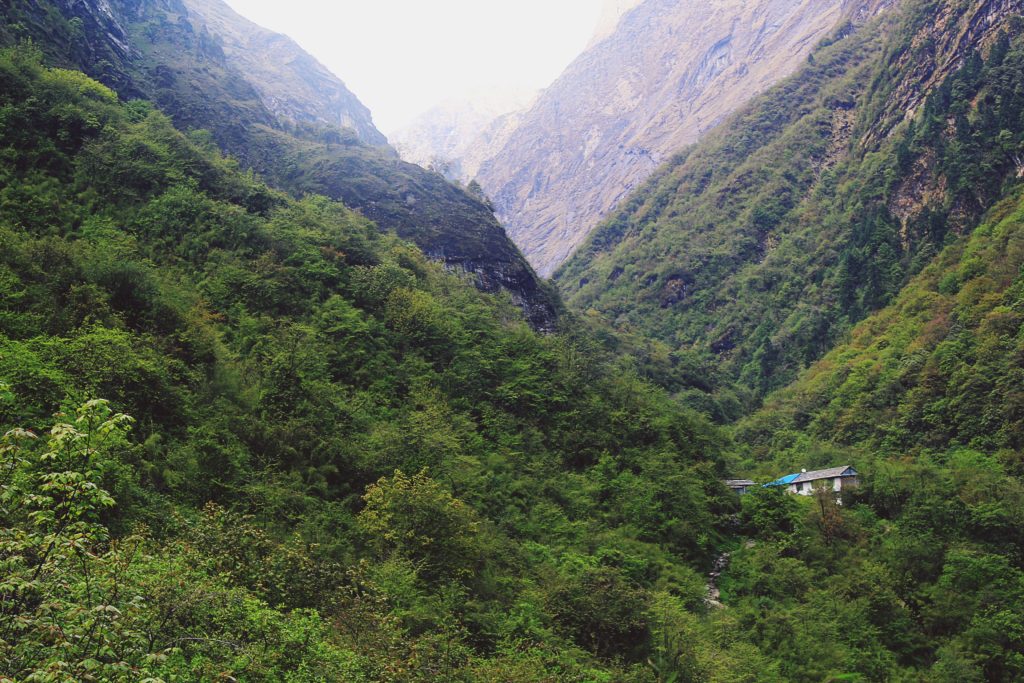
[
  {"x": 291, "y": 83},
  {"x": 666, "y": 74}
]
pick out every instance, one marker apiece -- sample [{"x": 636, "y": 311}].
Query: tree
[
  {"x": 768, "y": 511},
  {"x": 603, "y": 610},
  {"x": 63, "y": 615},
  {"x": 419, "y": 520},
  {"x": 827, "y": 515}
]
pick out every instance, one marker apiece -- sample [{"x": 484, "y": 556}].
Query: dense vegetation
[
  {"x": 248, "y": 436},
  {"x": 400, "y": 453},
  {"x": 752, "y": 254},
  {"x": 940, "y": 368},
  {"x": 925, "y": 399},
  {"x": 160, "y": 52}
]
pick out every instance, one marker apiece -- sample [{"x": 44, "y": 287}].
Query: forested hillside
[
  {"x": 753, "y": 253},
  {"x": 251, "y": 436},
  {"x": 447, "y": 488},
  {"x": 939, "y": 368},
  {"x": 925, "y": 398},
  {"x": 186, "y": 58}
]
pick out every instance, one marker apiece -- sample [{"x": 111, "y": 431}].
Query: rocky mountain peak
[{"x": 448, "y": 136}]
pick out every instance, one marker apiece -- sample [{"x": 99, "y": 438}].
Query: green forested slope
[
  {"x": 280, "y": 357},
  {"x": 345, "y": 463},
  {"x": 757, "y": 252},
  {"x": 157, "y": 50},
  {"x": 753, "y": 252},
  {"x": 937, "y": 369},
  {"x": 925, "y": 399},
  {"x": 924, "y": 563}
]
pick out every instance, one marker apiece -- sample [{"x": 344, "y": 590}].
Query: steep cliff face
[
  {"x": 936, "y": 47},
  {"x": 668, "y": 73},
  {"x": 756, "y": 250},
  {"x": 291, "y": 83},
  {"x": 280, "y": 113}
]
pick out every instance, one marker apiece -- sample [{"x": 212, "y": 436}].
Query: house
[
  {"x": 740, "y": 486},
  {"x": 805, "y": 483}
]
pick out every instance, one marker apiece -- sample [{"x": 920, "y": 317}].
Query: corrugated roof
[
  {"x": 844, "y": 471},
  {"x": 782, "y": 481},
  {"x": 830, "y": 473},
  {"x": 739, "y": 482}
]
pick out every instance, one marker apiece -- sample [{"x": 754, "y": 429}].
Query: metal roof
[
  {"x": 830, "y": 473},
  {"x": 782, "y": 481}
]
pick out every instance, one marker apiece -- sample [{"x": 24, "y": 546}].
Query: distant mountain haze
[
  {"x": 459, "y": 134},
  {"x": 447, "y": 137},
  {"x": 667, "y": 73},
  {"x": 611, "y": 13},
  {"x": 405, "y": 57}
]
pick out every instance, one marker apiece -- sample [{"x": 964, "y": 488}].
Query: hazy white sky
[{"x": 401, "y": 57}]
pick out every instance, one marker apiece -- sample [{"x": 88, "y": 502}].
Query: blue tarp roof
[{"x": 782, "y": 481}]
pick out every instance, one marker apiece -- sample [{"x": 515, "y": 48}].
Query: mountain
[
  {"x": 448, "y": 137},
  {"x": 939, "y": 368},
  {"x": 668, "y": 73},
  {"x": 754, "y": 252},
  {"x": 292, "y": 85},
  {"x": 279, "y": 112},
  {"x": 611, "y": 13},
  {"x": 250, "y": 436},
  {"x": 306, "y": 425},
  {"x": 458, "y": 136}
]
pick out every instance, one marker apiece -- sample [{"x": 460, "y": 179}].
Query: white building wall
[{"x": 806, "y": 488}]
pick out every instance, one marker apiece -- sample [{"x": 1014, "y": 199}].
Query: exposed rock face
[
  {"x": 291, "y": 83},
  {"x": 669, "y": 72},
  {"x": 936, "y": 50},
  {"x": 610, "y": 16}
]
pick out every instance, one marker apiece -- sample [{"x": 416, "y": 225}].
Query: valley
[{"x": 277, "y": 405}]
